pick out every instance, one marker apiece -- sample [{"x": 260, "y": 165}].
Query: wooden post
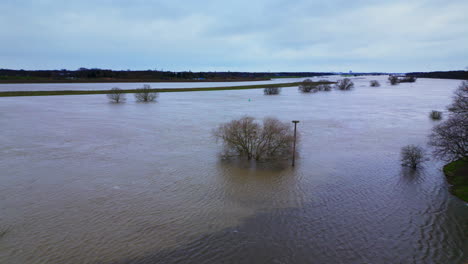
[{"x": 294, "y": 145}]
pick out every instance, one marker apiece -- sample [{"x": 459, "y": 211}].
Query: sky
[{"x": 235, "y": 35}]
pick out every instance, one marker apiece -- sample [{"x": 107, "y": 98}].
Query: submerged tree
[
  {"x": 344, "y": 84},
  {"x": 247, "y": 138},
  {"x": 412, "y": 156},
  {"x": 307, "y": 86},
  {"x": 393, "y": 79},
  {"x": 324, "y": 87},
  {"x": 435, "y": 115},
  {"x": 116, "y": 95},
  {"x": 271, "y": 90},
  {"x": 145, "y": 94},
  {"x": 374, "y": 83}
]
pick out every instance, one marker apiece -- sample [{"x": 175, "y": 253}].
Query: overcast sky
[{"x": 236, "y": 35}]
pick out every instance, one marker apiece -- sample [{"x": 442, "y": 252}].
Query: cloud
[{"x": 255, "y": 35}]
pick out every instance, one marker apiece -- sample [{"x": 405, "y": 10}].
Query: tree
[
  {"x": 409, "y": 79},
  {"x": 271, "y": 90},
  {"x": 307, "y": 86},
  {"x": 146, "y": 94},
  {"x": 324, "y": 87},
  {"x": 393, "y": 80},
  {"x": 374, "y": 83},
  {"x": 247, "y": 138},
  {"x": 344, "y": 84},
  {"x": 460, "y": 100},
  {"x": 116, "y": 95},
  {"x": 412, "y": 156},
  {"x": 450, "y": 139}
]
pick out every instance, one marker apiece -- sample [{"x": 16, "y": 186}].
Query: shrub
[
  {"x": 374, "y": 83},
  {"x": 435, "y": 115},
  {"x": 344, "y": 84},
  {"x": 116, "y": 95},
  {"x": 271, "y": 90},
  {"x": 145, "y": 94},
  {"x": 307, "y": 86},
  {"x": 412, "y": 156},
  {"x": 246, "y": 138},
  {"x": 393, "y": 80}
]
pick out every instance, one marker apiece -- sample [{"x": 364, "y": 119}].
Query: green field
[{"x": 161, "y": 90}]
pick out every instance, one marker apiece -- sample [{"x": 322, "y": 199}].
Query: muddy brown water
[{"x": 86, "y": 181}]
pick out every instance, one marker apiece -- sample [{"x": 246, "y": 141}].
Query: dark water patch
[{"x": 301, "y": 235}]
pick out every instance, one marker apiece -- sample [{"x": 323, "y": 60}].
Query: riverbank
[
  {"x": 160, "y": 90},
  {"x": 456, "y": 173}
]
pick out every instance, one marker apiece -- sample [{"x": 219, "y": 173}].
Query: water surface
[{"x": 86, "y": 181}]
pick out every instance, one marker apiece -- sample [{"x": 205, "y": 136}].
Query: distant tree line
[
  {"x": 95, "y": 73},
  {"x": 461, "y": 75}
]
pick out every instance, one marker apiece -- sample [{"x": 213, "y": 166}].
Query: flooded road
[{"x": 86, "y": 181}]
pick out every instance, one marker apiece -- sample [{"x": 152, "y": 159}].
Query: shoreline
[{"x": 456, "y": 174}]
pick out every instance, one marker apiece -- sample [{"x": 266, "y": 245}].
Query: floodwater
[
  {"x": 108, "y": 86},
  {"x": 87, "y": 181}
]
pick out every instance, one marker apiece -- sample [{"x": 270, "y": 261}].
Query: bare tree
[
  {"x": 460, "y": 100},
  {"x": 450, "y": 139},
  {"x": 412, "y": 156},
  {"x": 116, "y": 95},
  {"x": 271, "y": 90},
  {"x": 247, "y": 138},
  {"x": 146, "y": 94},
  {"x": 344, "y": 84},
  {"x": 374, "y": 83},
  {"x": 393, "y": 79},
  {"x": 435, "y": 115},
  {"x": 307, "y": 86},
  {"x": 324, "y": 87}
]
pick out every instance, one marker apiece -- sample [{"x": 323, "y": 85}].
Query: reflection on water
[{"x": 85, "y": 181}]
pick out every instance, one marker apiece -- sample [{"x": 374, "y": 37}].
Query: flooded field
[{"x": 86, "y": 181}]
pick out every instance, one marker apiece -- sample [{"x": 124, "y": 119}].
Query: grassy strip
[
  {"x": 24, "y": 80},
  {"x": 457, "y": 175},
  {"x": 161, "y": 90}
]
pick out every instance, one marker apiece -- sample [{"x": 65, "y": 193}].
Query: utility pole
[{"x": 294, "y": 145}]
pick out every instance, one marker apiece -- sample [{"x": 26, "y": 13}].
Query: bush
[
  {"x": 246, "y": 138},
  {"x": 307, "y": 86},
  {"x": 344, "y": 84},
  {"x": 412, "y": 156},
  {"x": 374, "y": 83},
  {"x": 145, "y": 94},
  {"x": 435, "y": 115},
  {"x": 116, "y": 95},
  {"x": 393, "y": 80},
  {"x": 271, "y": 91}
]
